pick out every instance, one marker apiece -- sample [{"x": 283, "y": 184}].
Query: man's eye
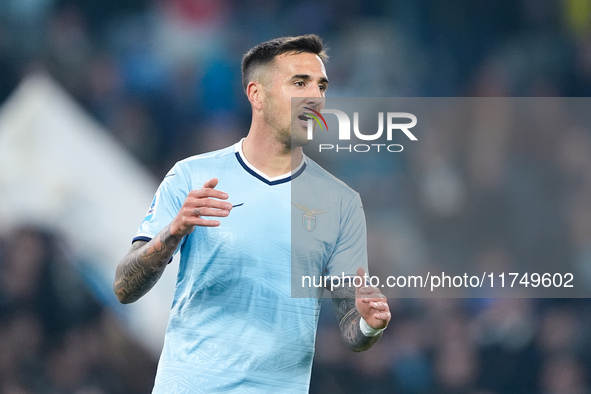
[
  {"x": 299, "y": 83},
  {"x": 322, "y": 87}
]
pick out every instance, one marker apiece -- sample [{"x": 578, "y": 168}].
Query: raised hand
[{"x": 206, "y": 201}]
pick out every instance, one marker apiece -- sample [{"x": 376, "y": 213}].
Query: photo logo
[
  {"x": 315, "y": 115},
  {"x": 393, "y": 125}
]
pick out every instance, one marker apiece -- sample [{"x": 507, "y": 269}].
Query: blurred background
[{"x": 160, "y": 80}]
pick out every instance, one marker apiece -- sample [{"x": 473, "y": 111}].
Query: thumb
[
  {"x": 211, "y": 184},
  {"x": 361, "y": 274}
]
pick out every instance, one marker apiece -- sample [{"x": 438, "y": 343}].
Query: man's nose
[{"x": 315, "y": 102}]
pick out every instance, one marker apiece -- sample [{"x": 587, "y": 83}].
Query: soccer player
[{"x": 234, "y": 325}]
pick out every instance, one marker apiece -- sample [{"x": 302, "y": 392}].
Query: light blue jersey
[{"x": 234, "y": 325}]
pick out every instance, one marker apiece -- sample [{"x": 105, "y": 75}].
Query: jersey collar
[{"x": 257, "y": 174}]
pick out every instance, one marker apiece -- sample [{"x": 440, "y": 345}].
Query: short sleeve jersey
[{"x": 235, "y": 326}]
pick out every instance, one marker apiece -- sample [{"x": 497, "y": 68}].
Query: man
[{"x": 234, "y": 326}]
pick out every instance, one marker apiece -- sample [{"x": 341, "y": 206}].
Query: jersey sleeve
[
  {"x": 350, "y": 251},
  {"x": 165, "y": 205}
]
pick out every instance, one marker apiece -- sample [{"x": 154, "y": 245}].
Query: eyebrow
[{"x": 308, "y": 77}]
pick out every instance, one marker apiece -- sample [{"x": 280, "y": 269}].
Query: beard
[
  {"x": 291, "y": 136},
  {"x": 288, "y": 132},
  {"x": 298, "y": 136}
]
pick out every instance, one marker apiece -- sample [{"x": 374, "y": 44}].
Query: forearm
[
  {"x": 348, "y": 317},
  {"x": 141, "y": 268}
]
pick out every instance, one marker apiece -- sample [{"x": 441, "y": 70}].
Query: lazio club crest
[{"x": 309, "y": 216}]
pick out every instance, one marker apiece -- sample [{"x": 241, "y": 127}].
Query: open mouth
[{"x": 304, "y": 117}]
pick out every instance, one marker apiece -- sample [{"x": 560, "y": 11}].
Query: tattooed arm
[
  {"x": 144, "y": 264},
  {"x": 351, "y": 304}
]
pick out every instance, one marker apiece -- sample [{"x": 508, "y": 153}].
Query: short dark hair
[{"x": 266, "y": 52}]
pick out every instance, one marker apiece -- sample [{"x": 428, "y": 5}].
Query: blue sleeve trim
[
  {"x": 141, "y": 238},
  {"x": 147, "y": 239}
]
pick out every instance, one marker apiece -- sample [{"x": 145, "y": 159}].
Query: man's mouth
[{"x": 304, "y": 117}]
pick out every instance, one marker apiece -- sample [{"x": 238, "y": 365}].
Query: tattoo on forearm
[
  {"x": 140, "y": 269},
  {"x": 343, "y": 299}
]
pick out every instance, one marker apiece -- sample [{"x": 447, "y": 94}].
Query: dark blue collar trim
[{"x": 268, "y": 182}]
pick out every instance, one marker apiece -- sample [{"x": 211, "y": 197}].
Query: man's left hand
[{"x": 371, "y": 304}]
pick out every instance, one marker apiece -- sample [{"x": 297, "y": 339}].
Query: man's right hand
[{"x": 200, "y": 203}]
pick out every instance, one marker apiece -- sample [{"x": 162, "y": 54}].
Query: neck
[{"x": 269, "y": 156}]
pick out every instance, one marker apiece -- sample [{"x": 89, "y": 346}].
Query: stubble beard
[
  {"x": 290, "y": 139},
  {"x": 283, "y": 131}
]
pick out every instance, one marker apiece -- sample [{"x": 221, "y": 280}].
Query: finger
[
  {"x": 212, "y": 183},
  {"x": 205, "y": 211},
  {"x": 208, "y": 193},
  {"x": 190, "y": 213},
  {"x": 369, "y": 290},
  {"x": 384, "y": 316},
  {"x": 207, "y": 223},
  {"x": 192, "y": 221},
  {"x": 371, "y": 300},
  {"x": 199, "y": 220},
  {"x": 209, "y": 203},
  {"x": 369, "y": 293},
  {"x": 379, "y": 306},
  {"x": 361, "y": 272}
]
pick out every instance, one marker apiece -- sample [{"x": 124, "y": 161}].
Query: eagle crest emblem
[{"x": 309, "y": 216}]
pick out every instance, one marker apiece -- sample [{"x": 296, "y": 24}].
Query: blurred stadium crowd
[
  {"x": 164, "y": 78},
  {"x": 55, "y": 337}
]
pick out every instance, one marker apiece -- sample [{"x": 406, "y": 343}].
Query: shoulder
[
  {"x": 215, "y": 160},
  {"x": 210, "y": 157},
  {"x": 195, "y": 170},
  {"x": 321, "y": 176}
]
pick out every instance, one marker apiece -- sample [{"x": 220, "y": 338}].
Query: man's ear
[{"x": 255, "y": 93}]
